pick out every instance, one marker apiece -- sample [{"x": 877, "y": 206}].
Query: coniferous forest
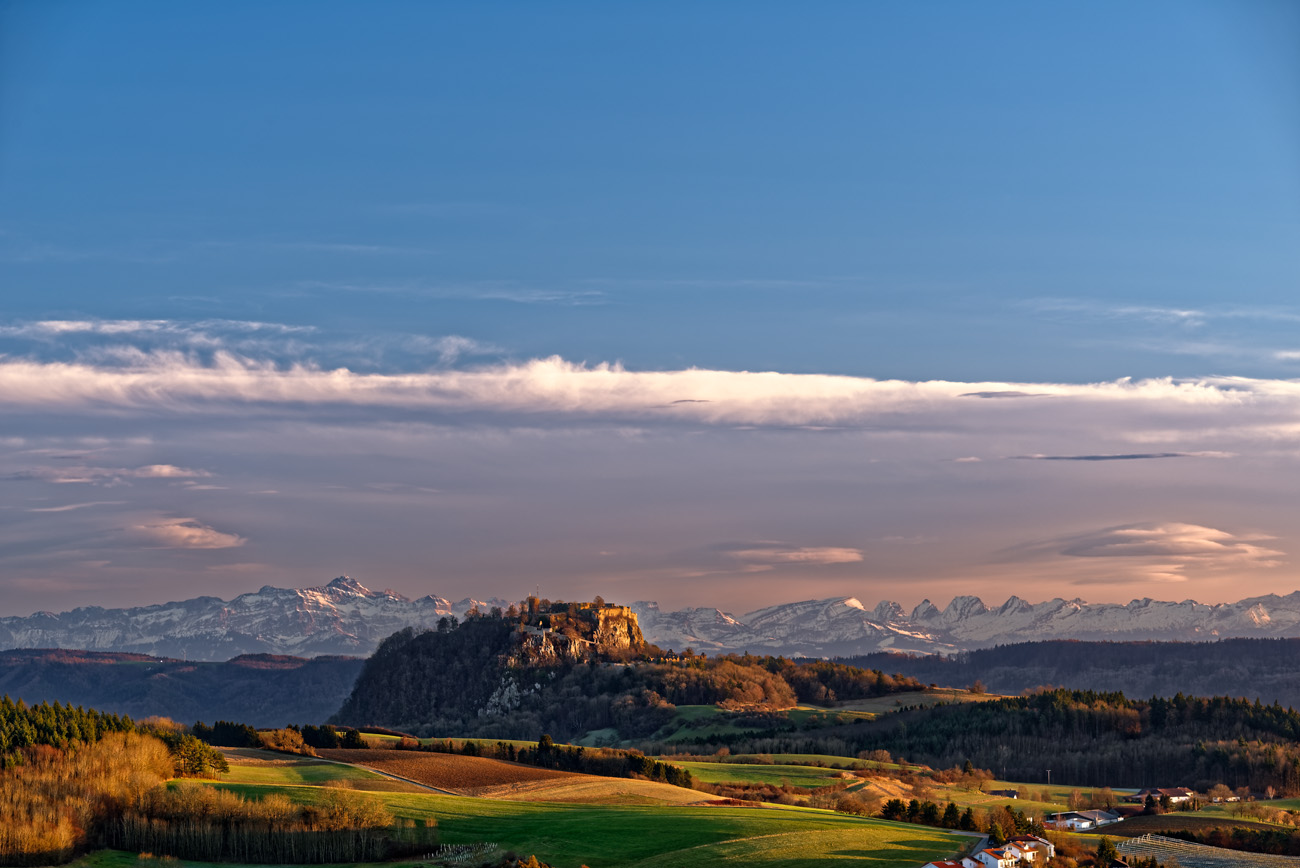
[{"x": 475, "y": 679}]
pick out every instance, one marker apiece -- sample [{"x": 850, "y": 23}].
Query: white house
[
  {"x": 1100, "y": 818},
  {"x": 1074, "y": 821},
  {"x": 1035, "y": 849},
  {"x": 998, "y": 857},
  {"x": 964, "y": 862}
]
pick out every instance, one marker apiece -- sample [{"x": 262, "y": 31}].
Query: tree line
[
  {"x": 603, "y": 761},
  {"x": 77, "y": 778},
  {"x": 1255, "y": 668},
  {"x": 201, "y": 823},
  {"x": 56, "y": 725}
]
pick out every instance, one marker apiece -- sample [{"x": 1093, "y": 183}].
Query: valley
[{"x": 658, "y": 758}]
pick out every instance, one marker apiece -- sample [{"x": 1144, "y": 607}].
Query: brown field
[
  {"x": 496, "y": 779},
  {"x": 458, "y": 774},
  {"x": 591, "y": 789}
]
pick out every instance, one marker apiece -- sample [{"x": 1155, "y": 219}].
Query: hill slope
[{"x": 258, "y": 690}]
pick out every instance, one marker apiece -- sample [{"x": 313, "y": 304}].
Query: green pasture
[
  {"x": 676, "y": 837},
  {"x": 305, "y": 773},
  {"x": 925, "y": 698},
  {"x": 1283, "y": 804},
  {"x": 813, "y": 715},
  {"x": 812, "y": 759},
  {"x": 120, "y": 859},
  {"x": 744, "y": 773},
  {"x": 790, "y": 759},
  {"x": 288, "y": 770}
]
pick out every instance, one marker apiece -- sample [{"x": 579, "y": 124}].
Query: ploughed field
[{"x": 497, "y": 779}]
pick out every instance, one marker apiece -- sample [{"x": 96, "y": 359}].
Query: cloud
[
  {"x": 452, "y": 347},
  {"x": 1169, "y": 539},
  {"x": 1005, "y": 393},
  {"x": 108, "y": 475},
  {"x": 71, "y": 506},
  {"x": 1130, "y": 456},
  {"x": 766, "y": 555},
  {"x": 186, "y": 533},
  {"x": 1161, "y": 551},
  {"x": 474, "y": 291},
  {"x": 52, "y": 328},
  {"x": 174, "y": 381},
  {"x": 1148, "y": 313}
]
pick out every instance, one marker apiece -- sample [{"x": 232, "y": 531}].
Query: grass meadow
[{"x": 606, "y": 831}]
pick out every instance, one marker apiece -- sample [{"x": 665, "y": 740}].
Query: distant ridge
[
  {"x": 842, "y": 626},
  {"x": 345, "y": 617}
]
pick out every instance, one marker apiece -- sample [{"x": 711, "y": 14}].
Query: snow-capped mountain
[
  {"x": 843, "y": 625},
  {"x": 343, "y": 617}
]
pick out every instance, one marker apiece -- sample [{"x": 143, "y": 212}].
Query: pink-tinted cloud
[{"x": 186, "y": 533}]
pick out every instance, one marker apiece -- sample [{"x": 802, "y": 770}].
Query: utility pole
[{"x": 1049, "y": 777}]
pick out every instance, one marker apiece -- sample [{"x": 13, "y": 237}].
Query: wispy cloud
[
  {"x": 764, "y": 556},
  {"x": 186, "y": 533},
  {"x": 767, "y": 555},
  {"x": 1130, "y": 456},
  {"x": 209, "y": 333},
  {"x": 1168, "y": 551},
  {"x": 90, "y": 475},
  {"x": 68, "y": 507},
  {"x": 477, "y": 291},
  {"x": 23, "y": 249}
]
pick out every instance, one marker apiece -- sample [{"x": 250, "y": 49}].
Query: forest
[
  {"x": 262, "y": 689},
  {"x": 467, "y": 680},
  {"x": 606, "y": 762},
  {"x": 1086, "y": 737},
  {"x": 1254, "y": 668},
  {"x": 74, "y": 779}
]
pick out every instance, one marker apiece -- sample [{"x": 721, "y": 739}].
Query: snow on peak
[
  {"x": 887, "y": 610},
  {"x": 964, "y": 607},
  {"x": 924, "y": 611},
  {"x": 348, "y": 584}
]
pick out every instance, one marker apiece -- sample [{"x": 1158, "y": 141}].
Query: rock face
[
  {"x": 578, "y": 631},
  {"x": 343, "y": 617}
]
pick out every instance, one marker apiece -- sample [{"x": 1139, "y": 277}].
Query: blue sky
[{"x": 1052, "y": 196}]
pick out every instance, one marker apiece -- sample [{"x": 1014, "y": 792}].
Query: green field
[
  {"x": 306, "y": 773},
  {"x": 604, "y": 836},
  {"x": 746, "y": 773},
  {"x": 1284, "y": 804},
  {"x": 709, "y": 721},
  {"x": 119, "y": 859},
  {"x": 923, "y": 698}
]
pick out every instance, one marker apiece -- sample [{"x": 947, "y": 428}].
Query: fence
[
  {"x": 456, "y": 854},
  {"x": 1189, "y": 855}
]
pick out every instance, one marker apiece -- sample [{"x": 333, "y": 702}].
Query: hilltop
[
  {"x": 570, "y": 669},
  {"x": 262, "y": 690}
]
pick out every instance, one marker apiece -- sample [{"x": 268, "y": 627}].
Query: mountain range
[{"x": 345, "y": 617}]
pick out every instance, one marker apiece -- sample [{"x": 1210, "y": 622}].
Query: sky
[{"x": 714, "y": 304}]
